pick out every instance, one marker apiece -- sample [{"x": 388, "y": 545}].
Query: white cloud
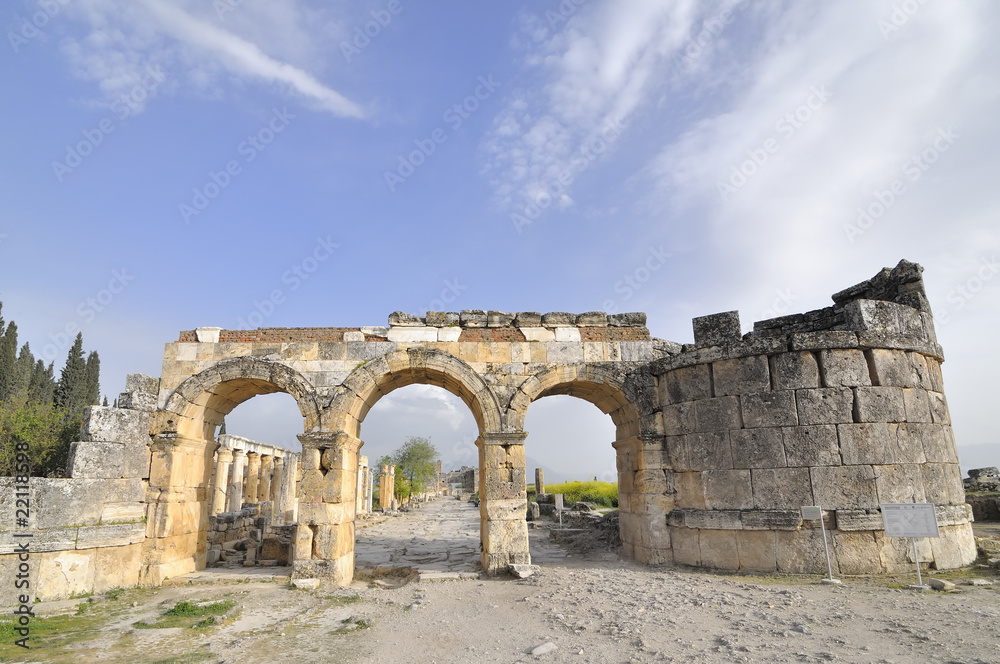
[{"x": 201, "y": 51}]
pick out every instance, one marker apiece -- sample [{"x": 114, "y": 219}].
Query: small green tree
[
  {"x": 71, "y": 390},
  {"x": 414, "y": 465}
]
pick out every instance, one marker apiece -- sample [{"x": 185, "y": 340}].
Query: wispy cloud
[{"x": 205, "y": 55}]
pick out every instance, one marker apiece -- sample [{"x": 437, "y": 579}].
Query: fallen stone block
[{"x": 522, "y": 571}]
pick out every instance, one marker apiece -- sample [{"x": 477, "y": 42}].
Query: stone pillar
[
  {"x": 369, "y": 478},
  {"x": 503, "y": 501},
  {"x": 644, "y": 494},
  {"x": 222, "y": 467},
  {"x": 362, "y": 477},
  {"x": 178, "y": 510},
  {"x": 276, "y": 479},
  {"x": 234, "y": 501},
  {"x": 266, "y": 470},
  {"x": 287, "y": 494},
  {"x": 253, "y": 476},
  {"x": 387, "y": 486},
  {"x": 327, "y": 507},
  {"x": 539, "y": 481}
]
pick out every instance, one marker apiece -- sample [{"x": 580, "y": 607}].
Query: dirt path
[{"x": 591, "y": 608}]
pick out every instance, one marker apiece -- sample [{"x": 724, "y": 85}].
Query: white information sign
[
  {"x": 909, "y": 520},
  {"x": 812, "y": 512},
  {"x": 559, "y": 502}
]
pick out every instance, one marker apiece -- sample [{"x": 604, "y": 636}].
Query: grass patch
[
  {"x": 603, "y": 494},
  {"x": 352, "y": 624},
  {"x": 344, "y": 600},
  {"x": 189, "y": 614}
]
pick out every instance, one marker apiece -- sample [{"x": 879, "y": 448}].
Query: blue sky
[{"x": 169, "y": 165}]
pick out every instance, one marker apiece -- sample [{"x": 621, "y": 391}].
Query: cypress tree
[
  {"x": 105, "y": 404},
  {"x": 8, "y": 357},
  {"x": 42, "y": 386},
  {"x": 93, "y": 379},
  {"x": 71, "y": 390},
  {"x": 23, "y": 368}
]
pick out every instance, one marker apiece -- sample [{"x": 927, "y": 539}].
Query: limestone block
[
  {"x": 801, "y": 551},
  {"x": 122, "y": 512},
  {"x": 713, "y": 519},
  {"x": 637, "y": 351},
  {"x": 142, "y": 383},
  {"x": 943, "y": 483},
  {"x": 538, "y": 334},
  {"x": 857, "y": 552},
  {"x": 61, "y": 539},
  {"x": 442, "y": 318},
  {"x": 448, "y": 334},
  {"x": 824, "y": 339},
  {"x": 781, "y": 488},
  {"x": 136, "y": 460},
  {"x": 953, "y": 515},
  {"x": 741, "y": 375},
  {"x": 936, "y": 441},
  {"x": 413, "y": 334},
  {"x": 811, "y": 445},
  {"x": 916, "y": 404},
  {"x": 757, "y": 448},
  {"x": 896, "y": 553},
  {"x": 627, "y": 319},
  {"x": 955, "y": 548},
  {"x": 130, "y": 490},
  {"x": 63, "y": 573},
  {"x": 109, "y": 424},
  {"x": 650, "y": 480},
  {"x": 499, "y": 319},
  {"x": 769, "y": 409},
  {"x": 60, "y": 503},
  {"x": 564, "y": 352},
  {"x": 718, "y": 414},
  {"x": 756, "y": 551},
  {"x": 899, "y": 483},
  {"x": 844, "y": 487},
  {"x": 867, "y": 443},
  {"x": 690, "y": 490},
  {"x": 844, "y": 368},
  {"x": 880, "y": 404},
  {"x": 772, "y": 519},
  {"x": 593, "y": 351},
  {"x": 311, "y": 486},
  {"x": 686, "y": 546},
  {"x": 708, "y": 451},
  {"x": 592, "y": 319},
  {"x": 137, "y": 401},
  {"x": 939, "y": 408},
  {"x": 854, "y": 520},
  {"x": 892, "y": 368},
  {"x": 673, "y": 454},
  {"x": 558, "y": 319},
  {"x": 365, "y": 351},
  {"x": 404, "y": 319},
  {"x": 527, "y": 319},
  {"x": 717, "y": 329},
  {"x": 334, "y": 488},
  {"x": 795, "y": 370},
  {"x": 679, "y": 419},
  {"x": 96, "y": 460},
  {"x": 718, "y": 549},
  {"x": 119, "y": 534},
  {"x": 567, "y": 334},
  {"x": 831, "y": 405},
  {"x": 727, "y": 489},
  {"x": 934, "y": 374},
  {"x": 685, "y": 384}
]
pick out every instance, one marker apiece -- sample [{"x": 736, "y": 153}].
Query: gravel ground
[{"x": 580, "y": 607}]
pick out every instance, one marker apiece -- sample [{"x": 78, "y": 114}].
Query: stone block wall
[
  {"x": 87, "y": 530},
  {"x": 846, "y": 418}
]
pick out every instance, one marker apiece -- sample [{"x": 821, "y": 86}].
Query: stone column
[
  {"x": 222, "y": 467},
  {"x": 503, "y": 501},
  {"x": 644, "y": 495},
  {"x": 287, "y": 494},
  {"x": 276, "y": 479},
  {"x": 253, "y": 476},
  {"x": 234, "y": 501},
  {"x": 266, "y": 470},
  {"x": 327, "y": 507},
  {"x": 539, "y": 481},
  {"x": 368, "y": 490},
  {"x": 387, "y": 486}
]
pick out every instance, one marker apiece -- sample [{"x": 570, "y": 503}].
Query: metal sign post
[
  {"x": 814, "y": 513},
  {"x": 911, "y": 520}
]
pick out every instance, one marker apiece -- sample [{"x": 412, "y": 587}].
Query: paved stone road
[{"x": 439, "y": 536}]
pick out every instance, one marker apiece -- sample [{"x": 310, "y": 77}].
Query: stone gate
[{"x": 718, "y": 442}]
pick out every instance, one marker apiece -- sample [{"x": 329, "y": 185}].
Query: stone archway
[
  {"x": 643, "y": 492},
  {"x": 182, "y": 469}
]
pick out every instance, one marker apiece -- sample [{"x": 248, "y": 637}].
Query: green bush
[{"x": 603, "y": 494}]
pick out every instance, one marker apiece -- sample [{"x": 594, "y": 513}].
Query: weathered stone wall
[
  {"x": 845, "y": 417},
  {"x": 87, "y": 530}
]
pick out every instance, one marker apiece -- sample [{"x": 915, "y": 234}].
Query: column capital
[
  {"x": 320, "y": 439},
  {"x": 515, "y": 438},
  {"x": 239, "y": 454},
  {"x": 225, "y": 455}
]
